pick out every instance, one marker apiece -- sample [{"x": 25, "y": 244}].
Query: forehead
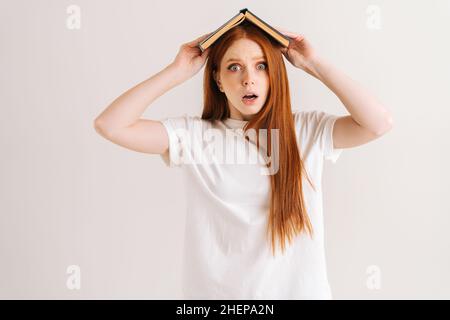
[{"x": 243, "y": 49}]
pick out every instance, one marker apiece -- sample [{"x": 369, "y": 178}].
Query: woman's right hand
[{"x": 190, "y": 59}]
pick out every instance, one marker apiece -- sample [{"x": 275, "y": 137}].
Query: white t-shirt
[{"x": 226, "y": 251}]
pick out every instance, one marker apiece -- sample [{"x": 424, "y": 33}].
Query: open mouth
[{"x": 249, "y": 97}]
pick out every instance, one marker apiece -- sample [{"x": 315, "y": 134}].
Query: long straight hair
[{"x": 288, "y": 216}]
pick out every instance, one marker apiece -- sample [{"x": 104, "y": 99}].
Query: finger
[
  {"x": 284, "y": 31},
  {"x": 199, "y": 39},
  {"x": 205, "y": 53},
  {"x": 288, "y": 33},
  {"x": 203, "y": 36},
  {"x": 293, "y": 35}
]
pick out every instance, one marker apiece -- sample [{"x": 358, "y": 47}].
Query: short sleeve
[
  {"x": 181, "y": 131},
  {"x": 318, "y": 126}
]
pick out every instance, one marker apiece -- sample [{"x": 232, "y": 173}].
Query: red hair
[{"x": 288, "y": 216}]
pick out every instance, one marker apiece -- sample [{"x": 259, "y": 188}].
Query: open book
[{"x": 236, "y": 20}]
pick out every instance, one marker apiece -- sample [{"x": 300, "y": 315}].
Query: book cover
[{"x": 242, "y": 15}]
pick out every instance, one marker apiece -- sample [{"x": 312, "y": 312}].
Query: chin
[{"x": 249, "y": 111}]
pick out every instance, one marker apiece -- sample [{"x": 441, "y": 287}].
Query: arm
[
  {"x": 125, "y": 110},
  {"x": 368, "y": 118},
  {"x": 120, "y": 122},
  {"x": 363, "y": 107}
]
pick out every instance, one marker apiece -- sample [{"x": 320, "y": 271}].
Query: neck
[{"x": 236, "y": 115}]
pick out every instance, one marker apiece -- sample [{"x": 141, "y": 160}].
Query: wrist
[
  {"x": 176, "y": 73},
  {"x": 313, "y": 66}
]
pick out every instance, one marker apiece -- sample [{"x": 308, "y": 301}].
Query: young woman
[{"x": 237, "y": 216}]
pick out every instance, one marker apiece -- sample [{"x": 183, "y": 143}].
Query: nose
[{"x": 248, "y": 78}]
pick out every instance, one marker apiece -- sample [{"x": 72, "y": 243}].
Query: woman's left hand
[{"x": 299, "y": 52}]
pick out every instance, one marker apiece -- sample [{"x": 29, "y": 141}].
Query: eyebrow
[{"x": 235, "y": 59}]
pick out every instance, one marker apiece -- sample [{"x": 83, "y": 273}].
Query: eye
[
  {"x": 262, "y": 63},
  {"x": 230, "y": 67}
]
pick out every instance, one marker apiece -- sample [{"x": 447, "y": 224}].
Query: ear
[{"x": 217, "y": 79}]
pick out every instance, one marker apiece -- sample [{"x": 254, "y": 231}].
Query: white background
[{"x": 70, "y": 197}]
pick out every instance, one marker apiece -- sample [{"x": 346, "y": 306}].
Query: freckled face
[{"x": 242, "y": 69}]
